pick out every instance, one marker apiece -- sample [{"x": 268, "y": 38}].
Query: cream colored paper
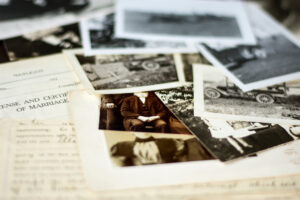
[
  {"x": 36, "y": 88},
  {"x": 97, "y": 167},
  {"x": 40, "y": 161}
]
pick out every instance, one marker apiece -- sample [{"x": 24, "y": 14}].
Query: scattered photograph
[
  {"x": 274, "y": 59},
  {"x": 188, "y": 60},
  {"x": 138, "y": 112},
  {"x": 108, "y": 74},
  {"x": 99, "y": 38},
  {"x": 33, "y": 15},
  {"x": 217, "y": 96},
  {"x": 44, "y": 42},
  {"x": 138, "y": 148},
  {"x": 226, "y": 139},
  {"x": 201, "y": 21}
]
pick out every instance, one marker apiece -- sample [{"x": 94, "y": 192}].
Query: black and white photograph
[
  {"x": 217, "y": 96},
  {"x": 273, "y": 60},
  {"x": 138, "y": 148},
  {"x": 197, "y": 21},
  {"x": 117, "y": 74},
  {"x": 226, "y": 139},
  {"x": 99, "y": 38},
  {"x": 44, "y": 42},
  {"x": 188, "y": 60},
  {"x": 33, "y": 15}
]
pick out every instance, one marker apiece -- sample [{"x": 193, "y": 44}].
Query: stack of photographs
[{"x": 206, "y": 87}]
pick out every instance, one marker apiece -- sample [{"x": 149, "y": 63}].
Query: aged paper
[
  {"x": 97, "y": 166},
  {"x": 40, "y": 160},
  {"x": 36, "y": 88}
]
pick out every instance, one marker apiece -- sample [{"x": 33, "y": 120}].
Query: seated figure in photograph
[{"x": 143, "y": 110}]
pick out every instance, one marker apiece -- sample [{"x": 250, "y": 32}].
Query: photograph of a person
[
  {"x": 138, "y": 112},
  {"x": 99, "y": 38},
  {"x": 138, "y": 148},
  {"x": 44, "y": 42},
  {"x": 201, "y": 21},
  {"x": 217, "y": 96},
  {"x": 273, "y": 60},
  {"x": 225, "y": 139},
  {"x": 112, "y": 74}
]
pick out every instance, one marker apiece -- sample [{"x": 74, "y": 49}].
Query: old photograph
[
  {"x": 33, "y": 15},
  {"x": 126, "y": 73},
  {"x": 139, "y": 112},
  {"x": 274, "y": 59},
  {"x": 138, "y": 148},
  {"x": 99, "y": 38},
  {"x": 188, "y": 60},
  {"x": 44, "y": 42},
  {"x": 201, "y": 21},
  {"x": 217, "y": 96},
  {"x": 97, "y": 152},
  {"x": 226, "y": 139}
]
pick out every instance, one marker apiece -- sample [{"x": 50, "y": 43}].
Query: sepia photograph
[
  {"x": 138, "y": 148},
  {"x": 212, "y": 21},
  {"x": 226, "y": 139},
  {"x": 126, "y": 73},
  {"x": 44, "y": 42},
  {"x": 34, "y": 15},
  {"x": 99, "y": 38},
  {"x": 217, "y": 96},
  {"x": 274, "y": 59},
  {"x": 138, "y": 112}
]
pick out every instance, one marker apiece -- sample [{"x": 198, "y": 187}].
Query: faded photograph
[
  {"x": 275, "y": 54},
  {"x": 44, "y": 42},
  {"x": 194, "y": 21},
  {"x": 102, "y": 37},
  {"x": 136, "y": 149},
  {"x": 15, "y": 9},
  {"x": 138, "y": 112},
  {"x": 277, "y": 102},
  {"x": 188, "y": 59},
  {"x": 128, "y": 71},
  {"x": 196, "y": 24},
  {"x": 225, "y": 139}
]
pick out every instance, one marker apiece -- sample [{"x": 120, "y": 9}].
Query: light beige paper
[
  {"x": 41, "y": 161},
  {"x": 36, "y": 88},
  {"x": 97, "y": 166}
]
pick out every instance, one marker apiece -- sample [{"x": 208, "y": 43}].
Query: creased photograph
[
  {"x": 273, "y": 60},
  {"x": 217, "y": 96},
  {"x": 226, "y": 139},
  {"x": 126, "y": 73},
  {"x": 196, "y": 21},
  {"x": 99, "y": 38}
]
